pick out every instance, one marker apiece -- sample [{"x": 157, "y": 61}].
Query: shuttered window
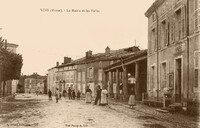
[
  {"x": 152, "y": 78},
  {"x": 197, "y": 69},
  {"x": 183, "y": 18},
  {"x": 196, "y": 15},
  {"x": 100, "y": 73}
]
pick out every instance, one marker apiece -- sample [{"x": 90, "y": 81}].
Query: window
[
  {"x": 72, "y": 75},
  {"x": 178, "y": 25},
  {"x": 100, "y": 74},
  {"x": 83, "y": 76},
  {"x": 152, "y": 78},
  {"x": 163, "y": 75},
  {"x": 172, "y": 30},
  {"x": 183, "y": 18},
  {"x": 196, "y": 15},
  {"x": 164, "y": 33},
  {"x": 153, "y": 17},
  {"x": 153, "y": 40},
  {"x": 79, "y": 76},
  {"x": 90, "y": 72},
  {"x": 197, "y": 69}
]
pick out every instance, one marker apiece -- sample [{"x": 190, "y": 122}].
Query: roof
[
  {"x": 153, "y": 7},
  {"x": 36, "y": 76},
  {"x": 113, "y": 55},
  {"x": 11, "y": 45},
  {"x": 140, "y": 55}
]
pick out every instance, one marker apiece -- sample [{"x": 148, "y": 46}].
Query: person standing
[
  {"x": 78, "y": 95},
  {"x": 98, "y": 96},
  {"x": 50, "y": 94},
  {"x": 131, "y": 101},
  {"x": 57, "y": 95},
  {"x": 121, "y": 91},
  {"x": 69, "y": 93},
  {"x": 88, "y": 97},
  {"x": 60, "y": 95},
  {"x": 73, "y": 94},
  {"x": 104, "y": 96},
  {"x": 64, "y": 93}
]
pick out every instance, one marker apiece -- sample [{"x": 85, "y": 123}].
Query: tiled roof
[
  {"x": 35, "y": 75},
  {"x": 112, "y": 55},
  {"x": 134, "y": 56}
]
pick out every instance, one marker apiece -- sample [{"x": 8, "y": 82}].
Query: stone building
[
  {"x": 174, "y": 51},
  {"x": 52, "y": 79},
  {"x": 34, "y": 83},
  {"x": 87, "y": 71}
]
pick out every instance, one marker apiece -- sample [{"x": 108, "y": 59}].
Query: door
[{"x": 178, "y": 80}]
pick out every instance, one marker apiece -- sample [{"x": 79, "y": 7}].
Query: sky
[{"x": 48, "y": 30}]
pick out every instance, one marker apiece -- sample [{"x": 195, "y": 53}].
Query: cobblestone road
[{"x": 37, "y": 111}]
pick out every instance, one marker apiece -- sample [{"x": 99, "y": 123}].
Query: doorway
[{"x": 178, "y": 80}]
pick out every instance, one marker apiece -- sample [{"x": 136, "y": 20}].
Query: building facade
[
  {"x": 87, "y": 71},
  {"x": 174, "y": 50},
  {"x": 34, "y": 83}
]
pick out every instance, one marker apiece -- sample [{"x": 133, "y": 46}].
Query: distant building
[
  {"x": 174, "y": 51},
  {"x": 34, "y": 83}
]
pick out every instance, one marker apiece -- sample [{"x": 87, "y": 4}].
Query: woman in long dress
[
  {"x": 131, "y": 101},
  {"x": 104, "y": 93},
  {"x": 88, "y": 97}
]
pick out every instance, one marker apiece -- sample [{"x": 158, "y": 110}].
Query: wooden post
[
  {"x": 125, "y": 81},
  {"x": 136, "y": 81},
  {"x": 110, "y": 84},
  {"x": 117, "y": 82}
]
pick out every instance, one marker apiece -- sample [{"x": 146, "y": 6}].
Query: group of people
[
  {"x": 58, "y": 94},
  {"x": 101, "y": 96}
]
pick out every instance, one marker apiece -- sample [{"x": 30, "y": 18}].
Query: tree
[{"x": 10, "y": 66}]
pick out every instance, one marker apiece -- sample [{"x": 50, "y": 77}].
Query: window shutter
[
  {"x": 196, "y": 78},
  {"x": 183, "y": 24},
  {"x": 88, "y": 72}
]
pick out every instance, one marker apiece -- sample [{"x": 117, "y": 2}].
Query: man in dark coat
[
  {"x": 69, "y": 93},
  {"x": 98, "y": 96},
  {"x": 50, "y": 94}
]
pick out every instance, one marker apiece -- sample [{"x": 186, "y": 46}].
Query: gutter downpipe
[
  {"x": 187, "y": 34},
  {"x": 157, "y": 54}
]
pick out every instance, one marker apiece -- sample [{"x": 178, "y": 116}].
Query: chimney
[
  {"x": 57, "y": 63},
  {"x": 67, "y": 60},
  {"x": 88, "y": 54},
  {"x": 107, "y": 50}
]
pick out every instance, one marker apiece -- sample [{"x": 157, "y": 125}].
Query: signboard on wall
[{"x": 179, "y": 49}]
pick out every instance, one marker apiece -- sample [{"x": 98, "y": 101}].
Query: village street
[{"x": 29, "y": 110}]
